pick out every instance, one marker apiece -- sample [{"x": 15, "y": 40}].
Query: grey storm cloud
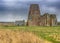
[{"x": 11, "y": 10}]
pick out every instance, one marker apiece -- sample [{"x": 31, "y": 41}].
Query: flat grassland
[{"x": 48, "y": 33}]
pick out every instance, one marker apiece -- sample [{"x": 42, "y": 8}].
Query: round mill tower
[{"x": 34, "y": 15}]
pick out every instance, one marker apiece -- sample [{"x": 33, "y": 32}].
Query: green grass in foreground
[{"x": 48, "y": 33}]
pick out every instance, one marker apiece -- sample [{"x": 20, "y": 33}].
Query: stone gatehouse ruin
[{"x": 36, "y": 19}]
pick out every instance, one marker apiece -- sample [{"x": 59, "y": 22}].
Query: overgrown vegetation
[{"x": 49, "y": 33}]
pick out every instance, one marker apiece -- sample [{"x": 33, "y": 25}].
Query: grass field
[{"x": 48, "y": 33}]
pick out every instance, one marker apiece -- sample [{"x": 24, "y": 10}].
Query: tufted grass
[{"x": 49, "y": 33}]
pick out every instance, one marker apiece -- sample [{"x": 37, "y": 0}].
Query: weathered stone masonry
[{"x": 36, "y": 19}]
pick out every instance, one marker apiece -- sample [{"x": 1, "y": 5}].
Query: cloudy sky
[{"x": 11, "y": 10}]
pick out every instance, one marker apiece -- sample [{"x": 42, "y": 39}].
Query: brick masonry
[{"x": 36, "y": 19}]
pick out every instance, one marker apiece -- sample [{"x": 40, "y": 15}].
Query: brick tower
[{"x": 34, "y": 15}]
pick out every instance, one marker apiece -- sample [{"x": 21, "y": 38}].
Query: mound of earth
[{"x": 17, "y": 36}]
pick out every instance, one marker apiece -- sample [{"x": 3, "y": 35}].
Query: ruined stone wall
[
  {"x": 53, "y": 20},
  {"x": 49, "y": 20},
  {"x": 46, "y": 19},
  {"x": 35, "y": 19},
  {"x": 42, "y": 20}
]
